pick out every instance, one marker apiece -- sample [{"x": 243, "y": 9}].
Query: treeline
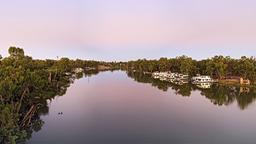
[
  {"x": 217, "y": 67},
  {"x": 63, "y": 64}
]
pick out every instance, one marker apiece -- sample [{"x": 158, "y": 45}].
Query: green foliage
[
  {"x": 16, "y": 52},
  {"x": 25, "y": 87},
  {"x": 26, "y": 84},
  {"x": 217, "y": 67},
  {"x": 186, "y": 65}
]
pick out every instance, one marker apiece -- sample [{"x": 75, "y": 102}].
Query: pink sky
[{"x": 129, "y": 29}]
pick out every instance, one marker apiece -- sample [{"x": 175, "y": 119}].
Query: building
[{"x": 236, "y": 80}]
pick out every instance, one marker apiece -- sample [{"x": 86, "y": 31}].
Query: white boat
[
  {"x": 182, "y": 77},
  {"x": 201, "y": 79},
  {"x": 171, "y": 77}
]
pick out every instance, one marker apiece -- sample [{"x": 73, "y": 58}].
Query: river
[{"x": 114, "y": 108}]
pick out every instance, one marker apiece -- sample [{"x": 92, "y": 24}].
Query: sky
[{"x": 121, "y": 30}]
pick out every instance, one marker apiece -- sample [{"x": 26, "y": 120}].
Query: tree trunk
[
  {"x": 28, "y": 116},
  {"x": 22, "y": 97},
  {"x": 50, "y": 77}
]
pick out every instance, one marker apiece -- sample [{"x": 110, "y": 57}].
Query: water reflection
[
  {"x": 112, "y": 108},
  {"x": 204, "y": 85},
  {"x": 123, "y": 111},
  {"x": 216, "y": 93},
  {"x": 20, "y": 118}
]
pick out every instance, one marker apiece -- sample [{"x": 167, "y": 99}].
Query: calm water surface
[{"x": 111, "y": 108}]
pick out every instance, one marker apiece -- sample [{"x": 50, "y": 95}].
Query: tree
[
  {"x": 164, "y": 64},
  {"x": 246, "y": 67},
  {"x": 186, "y": 64},
  {"x": 16, "y": 52},
  {"x": 217, "y": 66}
]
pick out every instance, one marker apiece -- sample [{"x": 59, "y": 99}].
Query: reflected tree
[{"x": 218, "y": 94}]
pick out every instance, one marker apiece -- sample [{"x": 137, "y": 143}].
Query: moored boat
[{"x": 201, "y": 79}]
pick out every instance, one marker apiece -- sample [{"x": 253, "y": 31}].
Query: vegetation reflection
[{"x": 218, "y": 94}]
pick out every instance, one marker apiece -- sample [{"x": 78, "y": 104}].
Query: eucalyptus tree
[
  {"x": 186, "y": 64},
  {"x": 164, "y": 64},
  {"x": 217, "y": 66},
  {"x": 246, "y": 67},
  {"x": 24, "y": 89},
  {"x": 16, "y": 52}
]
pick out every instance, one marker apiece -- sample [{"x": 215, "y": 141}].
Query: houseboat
[
  {"x": 171, "y": 77},
  {"x": 182, "y": 77},
  {"x": 201, "y": 79},
  {"x": 158, "y": 75}
]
